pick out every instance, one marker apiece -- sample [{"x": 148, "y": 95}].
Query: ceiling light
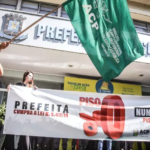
[
  {"x": 141, "y": 75},
  {"x": 70, "y": 66}
]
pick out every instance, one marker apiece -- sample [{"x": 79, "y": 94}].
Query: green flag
[{"x": 107, "y": 33}]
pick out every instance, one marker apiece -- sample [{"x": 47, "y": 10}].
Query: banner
[
  {"x": 77, "y": 115},
  {"x": 100, "y": 86}
]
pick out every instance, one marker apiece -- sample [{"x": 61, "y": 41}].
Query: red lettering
[
  {"x": 97, "y": 117},
  {"x": 34, "y": 112},
  {"x": 110, "y": 104},
  {"x": 28, "y": 112},
  {"x": 147, "y": 120},
  {"x": 52, "y": 114},
  {"x": 90, "y": 128},
  {"x": 18, "y": 111},
  {"x": 21, "y": 111},
  {"x": 59, "y": 114},
  {"x": 91, "y": 122},
  {"x": 15, "y": 111},
  {"x": 91, "y": 100},
  {"x": 87, "y": 101},
  {"x": 31, "y": 112},
  {"x": 97, "y": 102},
  {"x": 112, "y": 125},
  {"x": 82, "y": 99},
  {"x": 24, "y": 111},
  {"x": 47, "y": 114},
  {"x": 41, "y": 113}
]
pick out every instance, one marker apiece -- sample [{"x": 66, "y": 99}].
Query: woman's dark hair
[{"x": 25, "y": 74}]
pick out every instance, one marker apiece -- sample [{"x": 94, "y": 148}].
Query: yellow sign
[{"x": 85, "y": 85}]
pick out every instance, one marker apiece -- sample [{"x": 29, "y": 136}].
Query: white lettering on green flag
[{"x": 107, "y": 33}]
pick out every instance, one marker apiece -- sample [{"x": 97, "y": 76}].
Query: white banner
[{"x": 77, "y": 115}]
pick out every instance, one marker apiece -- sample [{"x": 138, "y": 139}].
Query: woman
[
  {"x": 21, "y": 142},
  {"x": 26, "y": 81}
]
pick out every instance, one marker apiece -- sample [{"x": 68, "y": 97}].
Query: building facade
[{"x": 52, "y": 50}]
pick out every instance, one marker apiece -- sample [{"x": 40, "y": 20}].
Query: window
[
  {"x": 142, "y": 26},
  {"x": 8, "y": 4},
  {"x": 30, "y": 6},
  {"x": 37, "y": 7},
  {"x": 45, "y": 8},
  {"x": 63, "y": 13},
  {"x": 149, "y": 27}
]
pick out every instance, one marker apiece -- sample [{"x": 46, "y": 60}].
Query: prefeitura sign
[{"x": 77, "y": 115}]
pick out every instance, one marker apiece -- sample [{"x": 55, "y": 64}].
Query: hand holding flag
[{"x": 106, "y": 31}]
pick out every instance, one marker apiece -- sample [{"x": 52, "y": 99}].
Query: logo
[
  {"x": 135, "y": 132},
  {"x": 12, "y": 26},
  {"x": 104, "y": 87},
  {"x": 141, "y": 132},
  {"x": 102, "y": 9},
  {"x": 142, "y": 112},
  {"x": 144, "y": 132}
]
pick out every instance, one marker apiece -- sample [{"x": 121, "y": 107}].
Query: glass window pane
[
  {"x": 140, "y": 24},
  {"x": 7, "y": 6},
  {"x": 29, "y": 10},
  {"x": 9, "y": 2},
  {"x": 63, "y": 13},
  {"x": 45, "y": 12},
  {"x": 149, "y": 27},
  {"x": 47, "y": 8},
  {"x": 141, "y": 30},
  {"x": 30, "y": 5}
]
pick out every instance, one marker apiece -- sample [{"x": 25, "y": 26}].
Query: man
[{"x": 3, "y": 45}]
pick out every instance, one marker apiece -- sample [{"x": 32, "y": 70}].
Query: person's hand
[
  {"x": 35, "y": 87},
  {"x": 1, "y": 70},
  {"x": 4, "y": 45},
  {"x": 8, "y": 87}
]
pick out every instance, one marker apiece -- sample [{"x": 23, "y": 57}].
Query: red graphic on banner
[
  {"x": 147, "y": 120},
  {"x": 111, "y": 118}
]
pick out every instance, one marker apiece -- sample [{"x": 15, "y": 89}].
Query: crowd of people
[{"x": 15, "y": 142}]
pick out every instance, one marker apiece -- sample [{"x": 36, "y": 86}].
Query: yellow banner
[{"x": 85, "y": 85}]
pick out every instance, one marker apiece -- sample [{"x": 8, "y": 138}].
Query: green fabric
[{"x": 107, "y": 33}]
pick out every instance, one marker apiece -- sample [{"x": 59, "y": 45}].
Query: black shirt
[{"x": 20, "y": 84}]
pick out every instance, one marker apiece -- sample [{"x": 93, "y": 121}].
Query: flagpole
[{"x": 35, "y": 23}]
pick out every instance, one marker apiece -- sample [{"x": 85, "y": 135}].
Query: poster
[{"x": 86, "y": 85}]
